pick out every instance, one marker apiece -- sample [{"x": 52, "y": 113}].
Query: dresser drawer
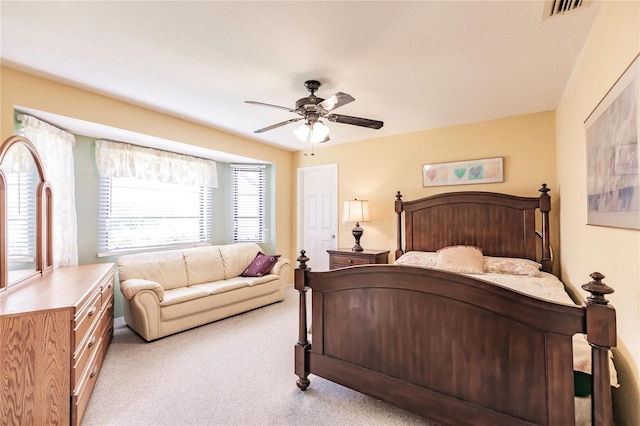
[
  {"x": 84, "y": 355},
  {"x": 107, "y": 308},
  {"x": 82, "y": 393},
  {"x": 88, "y": 366},
  {"x": 107, "y": 289},
  {"x": 85, "y": 318},
  {"x": 106, "y": 323}
]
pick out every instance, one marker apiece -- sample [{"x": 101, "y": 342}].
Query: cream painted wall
[
  {"x": 25, "y": 90},
  {"x": 376, "y": 169},
  {"x": 613, "y": 43}
]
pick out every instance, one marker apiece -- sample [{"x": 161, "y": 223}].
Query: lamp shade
[
  {"x": 355, "y": 211},
  {"x": 315, "y": 132}
]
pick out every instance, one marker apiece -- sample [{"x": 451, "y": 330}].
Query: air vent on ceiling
[{"x": 560, "y": 7}]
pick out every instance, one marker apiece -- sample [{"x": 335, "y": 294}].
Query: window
[
  {"x": 152, "y": 199},
  {"x": 248, "y": 193},
  {"x": 138, "y": 213}
]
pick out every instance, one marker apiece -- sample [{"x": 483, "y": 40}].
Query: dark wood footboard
[{"x": 451, "y": 348}]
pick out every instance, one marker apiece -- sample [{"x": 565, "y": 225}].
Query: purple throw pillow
[{"x": 261, "y": 265}]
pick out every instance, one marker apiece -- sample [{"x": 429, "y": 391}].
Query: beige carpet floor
[{"x": 237, "y": 371}]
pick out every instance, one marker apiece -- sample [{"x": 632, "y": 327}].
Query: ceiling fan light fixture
[
  {"x": 312, "y": 108},
  {"x": 315, "y": 132}
]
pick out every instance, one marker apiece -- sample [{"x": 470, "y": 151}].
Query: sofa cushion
[
  {"x": 251, "y": 281},
  {"x": 261, "y": 265},
  {"x": 225, "y": 304},
  {"x": 236, "y": 257},
  {"x": 221, "y": 286},
  {"x": 165, "y": 267},
  {"x": 204, "y": 264},
  {"x": 182, "y": 294}
]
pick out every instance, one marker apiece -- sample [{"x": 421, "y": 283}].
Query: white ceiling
[{"x": 414, "y": 65}]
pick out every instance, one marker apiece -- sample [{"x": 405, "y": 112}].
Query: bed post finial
[
  {"x": 544, "y": 189},
  {"x": 302, "y": 260},
  {"x": 601, "y": 335},
  {"x": 545, "y": 207},
  {"x": 399, "y": 210},
  {"x": 597, "y": 289}
]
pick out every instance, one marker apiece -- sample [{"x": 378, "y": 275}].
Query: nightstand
[{"x": 343, "y": 257}]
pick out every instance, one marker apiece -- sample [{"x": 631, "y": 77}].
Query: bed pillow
[
  {"x": 462, "y": 259},
  {"x": 423, "y": 259},
  {"x": 512, "y": 266},
  {"x": 261, "y": 265}
]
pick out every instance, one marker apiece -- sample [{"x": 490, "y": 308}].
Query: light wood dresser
[{"x": 54, "y": 334}]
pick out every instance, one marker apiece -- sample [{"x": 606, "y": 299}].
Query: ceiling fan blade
[
  {"x": 271, "y": 106},
  {"x": 336, "y": 101},
  {"x": 274, "y": 126},
  {"x": 356, "y": 121}
]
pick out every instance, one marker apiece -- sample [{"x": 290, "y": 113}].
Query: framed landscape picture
[
  {"x": 468, "y": 172},
  {"x": 613, "y": 182}
]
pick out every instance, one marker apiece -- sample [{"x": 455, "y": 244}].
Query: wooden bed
[{"x": 452, "y": 348}]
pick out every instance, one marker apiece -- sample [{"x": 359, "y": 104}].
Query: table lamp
[{"x": 356, "y": 211}]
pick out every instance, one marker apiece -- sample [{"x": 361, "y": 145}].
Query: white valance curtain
[
  {"x": 55, "y": 147},
  {"x": 116, "y": 159}
]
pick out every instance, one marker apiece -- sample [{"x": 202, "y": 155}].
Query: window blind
[
  {"x": 138, "y": 213},
  {"x": 248, "y": 195}
]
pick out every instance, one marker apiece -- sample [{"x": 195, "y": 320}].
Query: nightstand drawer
[
  {"x": 342, "y": 261},
  {"x": 342, "y": 258}
]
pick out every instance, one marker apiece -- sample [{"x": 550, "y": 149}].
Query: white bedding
[
  {"x": 549, "y": 287},
  {"x": 543, "y": 285}
]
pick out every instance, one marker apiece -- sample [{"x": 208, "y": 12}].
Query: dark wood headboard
[{"x": 500, "y": 224}]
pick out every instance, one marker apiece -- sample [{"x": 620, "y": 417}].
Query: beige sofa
[{"x": 171, "y": 291}]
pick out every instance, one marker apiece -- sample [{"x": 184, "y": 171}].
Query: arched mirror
[{"x": 25, "y": 213}]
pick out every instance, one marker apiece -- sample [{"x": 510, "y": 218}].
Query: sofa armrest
[
  {"x": 132, "y": 286},
  {"x": 279, "y": 265}
]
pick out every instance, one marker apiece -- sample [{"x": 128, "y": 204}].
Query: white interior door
[{"x": 317, "y": 213}]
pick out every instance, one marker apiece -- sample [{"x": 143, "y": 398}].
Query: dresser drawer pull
[
  {"x": 93, "y": 373},
  {"x": 91, "y": 342},
  {"x": 92, "y": 311},
  {"x": 350, "y": 261}
]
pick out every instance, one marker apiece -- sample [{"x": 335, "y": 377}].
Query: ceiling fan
[{"x": 312, "y": 108}]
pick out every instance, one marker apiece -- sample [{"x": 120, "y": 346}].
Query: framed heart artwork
[{"x": 485, "y": 170}]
